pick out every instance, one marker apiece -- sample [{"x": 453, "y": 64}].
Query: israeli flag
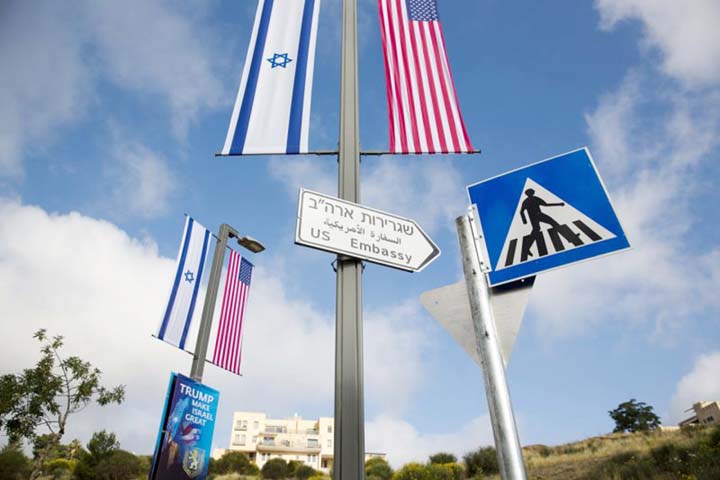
[
  {"x": 272, "y": 110},
  {"x": 175, "y": 323}
]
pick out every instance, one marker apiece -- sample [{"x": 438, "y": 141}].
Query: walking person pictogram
[{"x": 533, "y": 206}]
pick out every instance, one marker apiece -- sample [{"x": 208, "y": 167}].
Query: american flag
[
  {"x": 228, "y": 345},
  {"x": 423, "y": 109}
]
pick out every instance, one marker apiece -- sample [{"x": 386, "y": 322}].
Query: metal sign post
[
  {"x": 349, "y": 448},
  {"x": 507, "y": 442}
]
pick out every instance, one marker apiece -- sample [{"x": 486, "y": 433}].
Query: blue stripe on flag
[
  {"x": 298, "y": 98},
  {"x": 181, "y": 267},
  {"x": 195, "y": 290},
  {"x": 238, "y": 142}
]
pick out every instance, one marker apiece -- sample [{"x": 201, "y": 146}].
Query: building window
[
  {"x": 329, "y": 429},
  {"x": 329, "y": 443},
  {"x": 254, "y": 439},
  {"x": 242, "y": 439},
  {"x": 709, "y": 419},
  {"x": 256, "y": 424}
]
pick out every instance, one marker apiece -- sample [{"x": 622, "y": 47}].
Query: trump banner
[{"x": 182, "y": 450}]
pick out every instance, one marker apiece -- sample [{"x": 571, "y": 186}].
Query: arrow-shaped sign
[
  {"x": 451, "y": 307},
  {"x": 338, "y": 226}
]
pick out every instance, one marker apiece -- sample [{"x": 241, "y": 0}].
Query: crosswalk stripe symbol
[{"x": 545, "y": 225}]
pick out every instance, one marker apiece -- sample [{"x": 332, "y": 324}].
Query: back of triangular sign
[{"x": 451, "y": 307}]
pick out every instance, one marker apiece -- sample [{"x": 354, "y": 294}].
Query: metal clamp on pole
[{"x": 507, "y": 443}]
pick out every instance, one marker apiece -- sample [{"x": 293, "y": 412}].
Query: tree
[
  {"x": 634, "y": 416},
  {"x": 377, "y": 468},
  {"x": 14, "y": 465},
  {"x": 481, "y": 461},
  {"x": 119, "y": 465},
  {"x": 443, "y": 457},
  {"x": 101, "y": 446},
  {"x": 275, "y": 468},
  {"x": 44, "y": 397}
]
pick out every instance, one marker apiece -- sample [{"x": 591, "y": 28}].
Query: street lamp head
[{"x": 251, "y": 244}]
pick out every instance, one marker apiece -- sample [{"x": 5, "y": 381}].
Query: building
[
  {"x": 294, "y": 438},
  {"x": 706, "y": 413}
]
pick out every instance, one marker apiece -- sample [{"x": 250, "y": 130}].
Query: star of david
[
  {"x": 279, "y": 60},
  {"x": 189, "y": 276}
]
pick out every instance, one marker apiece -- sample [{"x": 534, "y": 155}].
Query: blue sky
[{"x": 109, "y": 118}]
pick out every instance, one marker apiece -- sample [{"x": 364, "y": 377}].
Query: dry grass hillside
[{"x": 688, "y": 454}]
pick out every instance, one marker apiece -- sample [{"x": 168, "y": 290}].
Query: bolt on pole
[
  {"x": 507, "y": 442},
  {"x": 201, "y": 345},
  {"x": 349, "y": 435}
]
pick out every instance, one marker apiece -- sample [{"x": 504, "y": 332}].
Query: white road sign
[{"x": 338, "y": 226}]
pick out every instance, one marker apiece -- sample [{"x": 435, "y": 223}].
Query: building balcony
[{"x": 288, "y": 447}]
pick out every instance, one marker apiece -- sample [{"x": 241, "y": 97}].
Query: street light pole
[
  {"x": 349, "y": 448},
  {"x": 201, "y": 345}
]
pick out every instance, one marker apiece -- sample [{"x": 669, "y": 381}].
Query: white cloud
[
  {"x": 44, "y": 81},
  {"x": 105, "y": 291},
  {"x": 685, "y": 32},
  {"x": 397, "y": 185},
  {"x": 701, "y": 384},
  {"x": 51, "y": 71},
  {"x": 143, "y": 180},
  {"x": 403, "y": 443},
  {"x": 155, "y": 47},
  {"x": 651, "y": 164}
]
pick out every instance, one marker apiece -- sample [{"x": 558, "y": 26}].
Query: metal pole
[
  {"x": 349, "y": 448},
  {"x": 201, "y": 345},
  {"x": 507, "y": 442}
]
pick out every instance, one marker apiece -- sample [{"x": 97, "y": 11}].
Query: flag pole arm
[
  {"x": 317, "y": 152},
  {"x": 381, "y": 152},
  {"x": 368, "y": 153}
]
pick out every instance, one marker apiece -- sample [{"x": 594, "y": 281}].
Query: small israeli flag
[
  {"x": 272, "y": 110},
  {"x": 175, "y": 323}
]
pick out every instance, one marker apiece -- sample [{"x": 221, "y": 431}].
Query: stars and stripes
[
  {"x": 228, "y": 345},
  {"x": 423, "y": 110}
]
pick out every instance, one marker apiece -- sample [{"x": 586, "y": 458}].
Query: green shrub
[
  {"x": 412, "y": 471},
  {"x": 443, "y": 457},
  {"x": 481, "y": 461},
  {"x": 59, "y": 468},
  {"x": 275, "y": 468},
  {"x": 119, "y": 465},
  {"x": 233, "y": 462},
  {"x": 446, "y": 471},
  {"x": 14, "y": 465},
  {"x": 303, "y": 472},
  {"x": 378, "y": 468}
]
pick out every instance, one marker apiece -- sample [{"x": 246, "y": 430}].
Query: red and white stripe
[
  {"x": 423, "y": 110},
  {"x": 228, "y": 346}
]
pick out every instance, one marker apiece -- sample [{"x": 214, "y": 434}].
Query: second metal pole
[
  {"x": 349, "y": 448},
  {"x": 507, "y": 443},
  {"x": 201, "y": 345}
]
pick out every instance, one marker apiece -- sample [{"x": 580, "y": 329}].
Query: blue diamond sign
[{"x": 544, "y": 216}]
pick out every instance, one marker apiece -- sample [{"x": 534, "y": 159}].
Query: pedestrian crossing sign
[{"x": 544, "y": 216}]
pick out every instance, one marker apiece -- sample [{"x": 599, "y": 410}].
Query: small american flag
[
  {"x": 423, "y": 109},
  {"x": 228, "y": 346}
]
